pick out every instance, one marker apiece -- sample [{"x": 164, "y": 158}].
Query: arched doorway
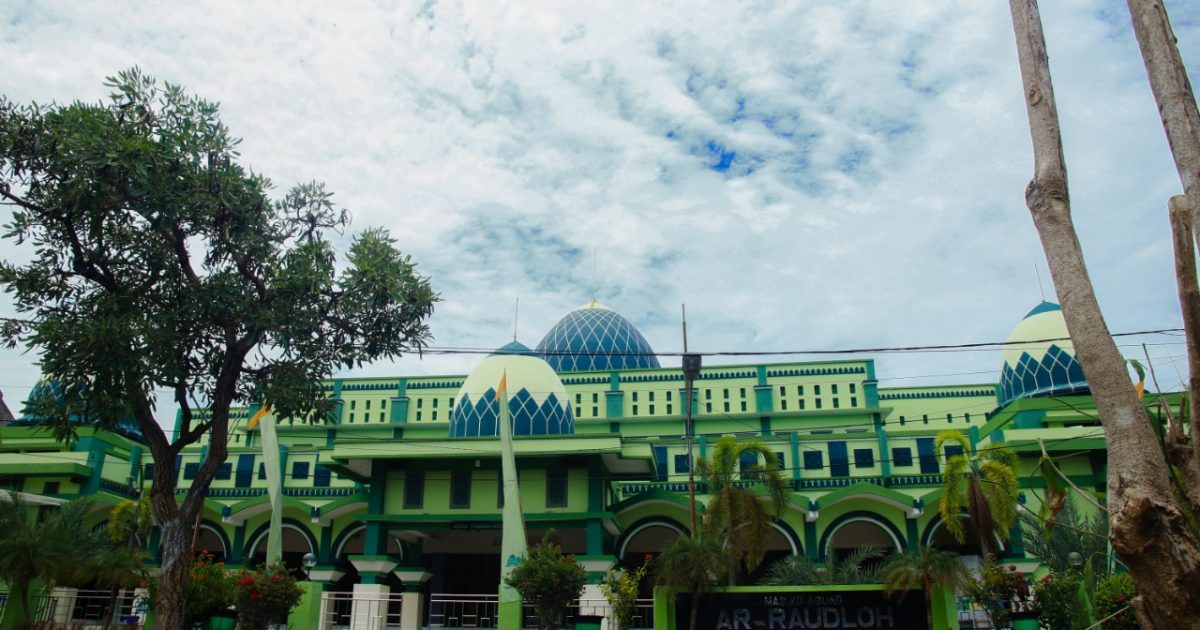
[
  {"x": 210, "y": 539},
  {"x": 781, "y": 545},
  {"x": 297, "y": 541},
  {"x": 351, "y": 543},
  {"x": 939, "y": 536},
  {"x": 853, "y": 532}
]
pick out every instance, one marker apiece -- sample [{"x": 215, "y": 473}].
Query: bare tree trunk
[
  {"x": 1172, "y": 92},
  {"x": 1149, "y": 532},
  {"x": 1183, "y": 456}
]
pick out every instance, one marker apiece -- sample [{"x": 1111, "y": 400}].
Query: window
[
  {"x": 813, "y": 460},
  {"x": 967, "y": 417},
  {"x": 634, "y": 396},
  {"x": 783, "y": 404},
  {"x": 383, "y": 403},
  {"x": 224, "y": 471},
  {"x": 782, "y": 391},
  {"x": 799, "y": 390},
  {"x": 668, "y": 395},
  {"x": 708, "y": 394},
  {"x": 578, "y": 412},
  {"x": 952, "y": 450},
  {"x": 651, "y": 398},
  {"x": 902, "y": 456},
  {"x": 262, "y": 471},
  {"x": 418, "y": 416},
  {"x": 779, "y": 460},
  {"x": 742, "y": 392},
  {"x": 321, "y": 476},
  {"x": 816, "y": 390},
  {"x": 414, "y": 489},
  {"x": 727, "y": 392},
  {"x": 818, "y": 402},
  {"x": 668, "y": 409},
  {"x": 833, "y": 389},
  {"x": 460, "y": 489},
  {"x": 652, "y": 410},
  {"x": 925, "y": 418},
  {"x": 381, "y": 416},
  {"x": 578, "y": 398},
  {"x": 245, "y": 470},
  {"x": 707, "y": 407},
  {"x": 635, "y": 410},
  {"x": 801, "y": 401},
  {"x": 351, "y": 417},
  {"x": 681, "y": 463},
  {"x": 148, "y": 472},
  {"x": 434, "y": 418},
  {"x": 368, "y": 407},
  {"x": 853, "y": 388},
  {"x": 727, "y": 406},
  {"x": 839, "y": 463},
  {"x": 746, "y": 460},
  {"x": 435, "y": 402},
  {"x": 853, "y": 401},
  {"x": 595, "y": 397},
  {"x": 51, "y": 487},
  {"x": 926, "y": 455},
  {"x": 556, "y": 489},
  {"x": 660, "y": 463},
  {"x": 300, "y": 470},
  {"x": 864, "y": 458},
  {"x": 743, "y": 405},
  {"x": 837, "y": 403},
  {"x": 949, "y": 417},
  {"x": 595, "y": 411},
  {"x": 353, "y": 403},
  {"x": 189, "y": 470}
]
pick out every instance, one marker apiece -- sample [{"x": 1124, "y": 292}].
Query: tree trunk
[
  {"x": 695, "y": 610},
  {"x": 1148, "y": 530},
  {"x": 20, "y": 592},
  {"x": 1183, "y": 456},
  {"x": 1172, "y": 92},
  {"x": 171, "y": 599}
]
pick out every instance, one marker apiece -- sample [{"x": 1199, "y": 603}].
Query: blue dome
[
  {"x": 537, "y": 400},
  {"x": 595, "y": 337},
  {"x": 47, "y": 391},
  {"x": 1039, "y": 359}
]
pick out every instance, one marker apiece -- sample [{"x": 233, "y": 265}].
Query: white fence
[
  {"x": 453, "y": 611},
  {"x": 75, "y": 609},
  {"x": 344, "y": 611}
]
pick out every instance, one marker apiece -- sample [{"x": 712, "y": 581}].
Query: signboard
[{"x": 803, "y": 610}]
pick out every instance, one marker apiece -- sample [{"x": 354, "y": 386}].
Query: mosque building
[{"x": 400, "y": 496}]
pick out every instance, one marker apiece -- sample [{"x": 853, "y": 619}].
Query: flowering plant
[
  {"x": 1113, "y": 597},
  {"x": 265, "y": 597},
  {"x": 549, "y": 580},
  {"x": 621, "y": 590},
  {"x": 998, "y": 590},
  {"x": 209, "y": 589},
  {"x": 1057, "y": 599}
]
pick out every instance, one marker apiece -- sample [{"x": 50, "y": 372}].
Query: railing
[
  {"x": 341, "y": 611},
  {"x": 88, "y": 609},
  {"x": 448, "y": 610}
]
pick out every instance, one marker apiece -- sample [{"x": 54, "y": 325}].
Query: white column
[
  {"x": 64, "y": 604},
  {"x": 369, "y": 607},
  {"x": 412, "y": 601}
]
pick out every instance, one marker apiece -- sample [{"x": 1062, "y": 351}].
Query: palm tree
[
  {"x": 51, "y": 547},
  {"x": 860, "y": 567},
  {"x": 691, "y": 564},
  {"x": 984, "y": 484},
  {"x": 737, "y": 516},
  {"x": 924, "y": 569}
]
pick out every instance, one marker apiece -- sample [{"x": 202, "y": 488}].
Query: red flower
[
  {"x": 649, "y": 557},
  {"x": 253, "y": 596},
  {"x": 1046, "y": 579},
  {"x": 1012, "y": 567},
  {"x": 246, "y": 580},
  {"x": 275, "y": 578}
]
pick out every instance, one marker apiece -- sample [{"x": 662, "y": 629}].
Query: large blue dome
[
  {"x": 537, "y": 401},
  {"x": 595, "y": 337},
  {"x": 1040, "y": 359}
]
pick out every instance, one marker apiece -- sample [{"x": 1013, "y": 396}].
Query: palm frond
[
  {"x": 951, "y": 437},
  {"x": 998, "y": 483},
  {"x": 954, "y": 499},
  {"x": 793, "y": 571},
  {"x": 856, "y": 568}
]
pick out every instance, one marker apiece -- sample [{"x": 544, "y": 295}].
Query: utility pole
[{"x": 691, "y": 369}]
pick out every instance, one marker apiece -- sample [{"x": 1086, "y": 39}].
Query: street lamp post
[
  {"x": 308, "y": 562},
  {"x": 691, "y": 369}
]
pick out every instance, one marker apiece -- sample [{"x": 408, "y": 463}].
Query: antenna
[
  {"x": 1041, "y": 289},
  {"x": 593, "y": 273},
  {"x": 516, "y": 316},
  {"x": 683, "y": 311}
]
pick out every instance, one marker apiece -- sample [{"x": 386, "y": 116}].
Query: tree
[
  {"x": 1149, "y": 530},
  {"x": 50, "y": 545},
  {"x": 549, "y": 581},
  {"x": 924, "y": 569},
  {"x": 158, "y": 262},
  {"x": 739, "y": 518},
  {"x": 860, "y": 567},
  {"x": 692, "y": 565},
  {"x": 984, "y": 485}
]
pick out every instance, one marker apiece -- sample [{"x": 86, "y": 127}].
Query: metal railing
[
  {"x": 88, "y": 609},
  {"x": 342, "y": 611},
  {"x": 453, "y": 610}
]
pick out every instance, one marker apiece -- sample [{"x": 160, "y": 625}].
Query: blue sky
[{"x": 801, "y": 175}]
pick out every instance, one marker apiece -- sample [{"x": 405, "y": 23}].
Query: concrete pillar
[
  {"x": 412, "y": 600},
  {"x": 64, "y": 605},
  {"x": 369, "y": 608}
]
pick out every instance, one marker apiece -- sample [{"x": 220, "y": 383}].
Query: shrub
[
  {"x": 549, "y": 581},
  {"x": 1057, "y": 598},
  {"x": 996, "y": 589},
  {"x": 1113, "y": 596},
  {"x": 265, "y": 597},
  {"x": 621, "y": 590},
  {"x": 209, "y": 589}
]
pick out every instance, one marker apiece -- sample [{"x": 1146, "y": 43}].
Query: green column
[{"x": 307, "y": 614}]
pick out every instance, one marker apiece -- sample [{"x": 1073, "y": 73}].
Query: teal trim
[
  {"x": 95, "y": 462},
  {"x": 595, "y": 537},
  {"x": 963, "y": 393},
  {"x": 703, "y": 445},
  {"x": 239, "y": 542},
  {"x": 764, "y": 426},
  {"x": 794, "y": 440},
  {"x": 178, "y": 422},
  {"x": 135, "y": 464},
  {"x": 860, "y": 515},
  {"x": 885, "y": 453},
  {"x": 325, "y": 553},
  {"x": 399, "y": 411},
  {"x": 871, "y": 393},
  {"x": 973, "y": 436},
  {"x": 614, "y": 403},
  {"x": 914, "y": 536},
  {"x": 1029, "y": 419},
  {"x": 810, "y": 541},
  {"x": 762, "y": 374},
  {"x": 595, "y": 487},
  {"x": 335, "y": 414},
  {"x": 764, "y": 398}
]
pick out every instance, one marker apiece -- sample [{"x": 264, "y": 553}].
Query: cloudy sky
[{"x": 803, "y": 175}]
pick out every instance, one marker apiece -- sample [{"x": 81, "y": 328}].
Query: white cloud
[{"x": 804, "y": 175}]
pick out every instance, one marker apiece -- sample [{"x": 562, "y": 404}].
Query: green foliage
[
  {"x": 693, "y": 565},
  {"x": 131, "y": 518},
  {"x": 210, "y": 589},
  {"x": 1113, "y": 598},
  {"x": 549, "y": 581},
  {"x": 860, "y": 567},
  {"x": 737, "y": 516},
  {"x": 984, "y": 485},
  {"x": 995, "y": 590},
  {"x": 621, "y": 590},
  {"x": 1074, "y": 533},
  {"x": 926, "y": 568},
  {"x": 1059, "y": 605},
  {"x": 265, "y": 597}
]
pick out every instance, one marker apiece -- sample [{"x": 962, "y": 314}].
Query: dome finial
[
  {"x": 1038, "y": 273},
  {"x": 593, "y": 274}
]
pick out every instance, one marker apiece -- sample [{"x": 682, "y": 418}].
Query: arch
[
  {"x": 351, "y": 531},
  {"x": 890, "y": 530},
  {"x": 935, "y": 528},
  {"x": 644, "y": 524},
  {"x": 789, "y": 535},
  {"x": 217, "y": 532},
  {"x": 260, "y": 535}
]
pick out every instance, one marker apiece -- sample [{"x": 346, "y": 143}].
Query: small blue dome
[
  {"x": 1040, "y": 359},
  {"x": 54, "y": 391},
  {"x": 595, "y": 337},
  {"x": 537, "y": 400}
]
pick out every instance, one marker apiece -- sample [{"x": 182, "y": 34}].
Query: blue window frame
[
  {"x": 814, "y": 460},
  {"x": 414, "y": 489},
  {"x": 681, "y": 463},
  {"x": 189, "y": 470},
  {"x": 864, "y": 458},
  {"x": 300, "y": 470},
  {"x": 952, "y": 450},
  {"x": 321, "y": 476},
  {"x": 245, "y": 471},
  {"x": 224, "y": 471},
  {"x": 148, "y": 472},
  {"x": 660, "y": 463},
  {"x": 460, "y": 489},
  {"x": 746, "y": 460},
  {"x": 839, "y": 461},
  {"x": 925, "y": 453},
  {"x": 556, "y": 489},
  {"x": 262, "y": 471},
  {"x": 902, "y": 456}
]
